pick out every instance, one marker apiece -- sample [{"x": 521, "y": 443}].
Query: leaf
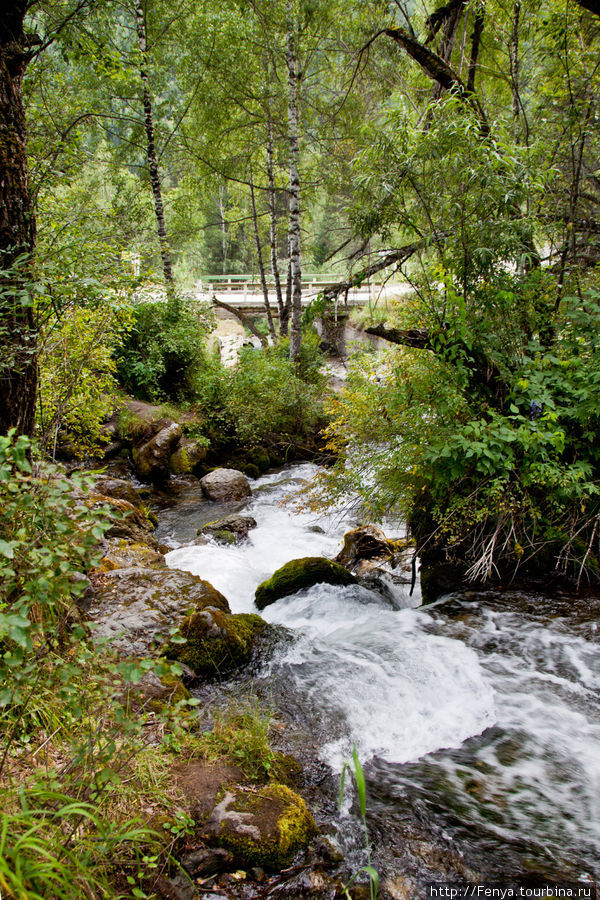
[
  {"x": 7, "y": 549},
  {"x": 361, "y": 786}
]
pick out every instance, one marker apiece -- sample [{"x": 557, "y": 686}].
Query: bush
[
  {"x": 77, "y": 383},
  {"x": 66, "y": 735},
  {"x": 164, "y": 350},
  {"x": 268, "y": 402}
]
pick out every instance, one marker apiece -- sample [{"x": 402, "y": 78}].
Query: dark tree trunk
[
  {"x": 159, "y": 209},
  {"x": 475, "y": 45},
  {"x": 18, "y": 331},
  {"x": 296, "y": 271},
  {"x": 261, "y": 265}
]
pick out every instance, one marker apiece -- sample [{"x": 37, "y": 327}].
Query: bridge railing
[{"x": 252, "y": 284}]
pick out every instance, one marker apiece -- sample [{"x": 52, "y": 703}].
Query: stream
[{"x": 476, "y": 718}]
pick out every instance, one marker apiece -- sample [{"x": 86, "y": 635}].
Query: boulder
[
  {"x": 117, "y": 488},
  {"x": 187, "y": 455},
  {"x": 151, "y": 459},
  {"x": 237, "y": 527},
  {"x": 298, "y": 574},
  {"x": 364, "y": 543},
  {"x": 129, "y": 522},
  {"x": 216, "y": 643},
  {"x": 122, "y": 554},
  {"x": 136, "y": 607},
  {"x": 265, "y": 827},
  {"x": 225, "y": 484}
]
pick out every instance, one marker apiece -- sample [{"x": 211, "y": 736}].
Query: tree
[{"x": 18, "y": 335}]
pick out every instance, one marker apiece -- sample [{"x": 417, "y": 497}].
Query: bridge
[{"x": 244, "y": 292}]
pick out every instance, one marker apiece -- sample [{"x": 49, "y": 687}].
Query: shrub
[
  {"x": 77, "y": 383},
  {"x": 162, "y": 353}
]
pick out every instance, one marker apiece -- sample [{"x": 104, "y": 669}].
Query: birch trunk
[
  {"x": 159, "y": 210},
  {"x": 261, "y": 265},
  {"x": 294, "y": 226}
]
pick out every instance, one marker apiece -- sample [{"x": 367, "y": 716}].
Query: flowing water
[{"x": 477, "y": 718}]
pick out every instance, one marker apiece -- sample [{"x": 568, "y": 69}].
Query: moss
[
  {"x": 286, "y": 769},
  {"x": 298, "y": 574},
  {"x": 259, "y": 458},
  {"x": 216, "y": 643},
  {"x": 279, "y": 816},
  {"x": 224, "y": 537}
]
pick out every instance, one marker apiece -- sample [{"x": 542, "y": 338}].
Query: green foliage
[
  {"x": 502, "y": 474},
  {"x": 77, "y": 383},
  {"x": 240, "y": 734},
  {"x": 67, "y": 731},
  {"x": 268, "y": 400},
  {"x": 163, "y": 352},
  {"x": 361, "y": 789}
]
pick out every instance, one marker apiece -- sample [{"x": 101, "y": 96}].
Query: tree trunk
[
  {"x": 514, "y": 59},
  {"x": 273, "y": 226},
  {"x": 159, "y": 209},
  {"x": 296, "y": 271},
  {"x": 261, "y": 266},
  {"x": 475, "y": 45},
  {"x": 18, "y": 330}
]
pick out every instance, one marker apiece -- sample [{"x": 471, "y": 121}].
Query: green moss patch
[
  {"x": 266, "y": 827},
  {"x": 216, "y": 643},
  {"x": 298, "y": 574}
]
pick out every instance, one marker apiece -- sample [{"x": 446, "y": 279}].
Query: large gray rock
[
  {"x": 136, "y": 607},
  {"x": 151, "y": 459},
  {"x": 225, "y": 484}
]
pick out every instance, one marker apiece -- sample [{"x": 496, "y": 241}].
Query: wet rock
[
  {"x": 128, "y": 521},
  {"x": 122, "y": 554},
  {"x": 385, "y": 584},
  {"x": 225, "y": 484},
  {"x": 188, "y": 454},
  {"x": 117, "y": 488},
  {"x": 265, "y": 827},
  {"x": 151, "y": 459},
  {"x": 136, "y": 607},
  {"x": 298, "y": 574},
  {"x": 216, "y": 643},
  {"x": 237, "y": 527},
  {"x": 364, "y": 543},
  {"x": 206, "y": 861}
]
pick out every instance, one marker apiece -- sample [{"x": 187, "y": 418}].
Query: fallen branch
[
  {"x": 243, "y": 319},
  {"x": 395, "y": 257}
]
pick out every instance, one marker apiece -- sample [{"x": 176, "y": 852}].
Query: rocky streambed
[{"x": 476, "y": 718}]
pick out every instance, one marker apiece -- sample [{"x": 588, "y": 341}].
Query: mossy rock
[
  {"x": 298, "y": 574},
  {"x": 265, "y": 827},
  {"x": 188, "y": 454},
  {"x": 135, "y": 607},
  {"x": 249, "y": 469},
  {"x": 259, "y": 458},
  {"x": 216, "y": 643}
]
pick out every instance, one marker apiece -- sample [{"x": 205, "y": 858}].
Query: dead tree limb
[
  {"x": 246, "y": 322},
  {"x": 396, "y": 257}
]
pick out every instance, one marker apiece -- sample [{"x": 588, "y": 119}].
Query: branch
[
  {"x": 243, "y": 319},
  {"x": 435, "y": 21},
  {"x": 396, "y": 257},
  {"x": 419, "y": 338},
  {"x": 440, "y": 71},
  {"x": 482, "y": 373}
]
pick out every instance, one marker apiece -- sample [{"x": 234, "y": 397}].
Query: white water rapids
[{"x": 479, "y": 707}]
